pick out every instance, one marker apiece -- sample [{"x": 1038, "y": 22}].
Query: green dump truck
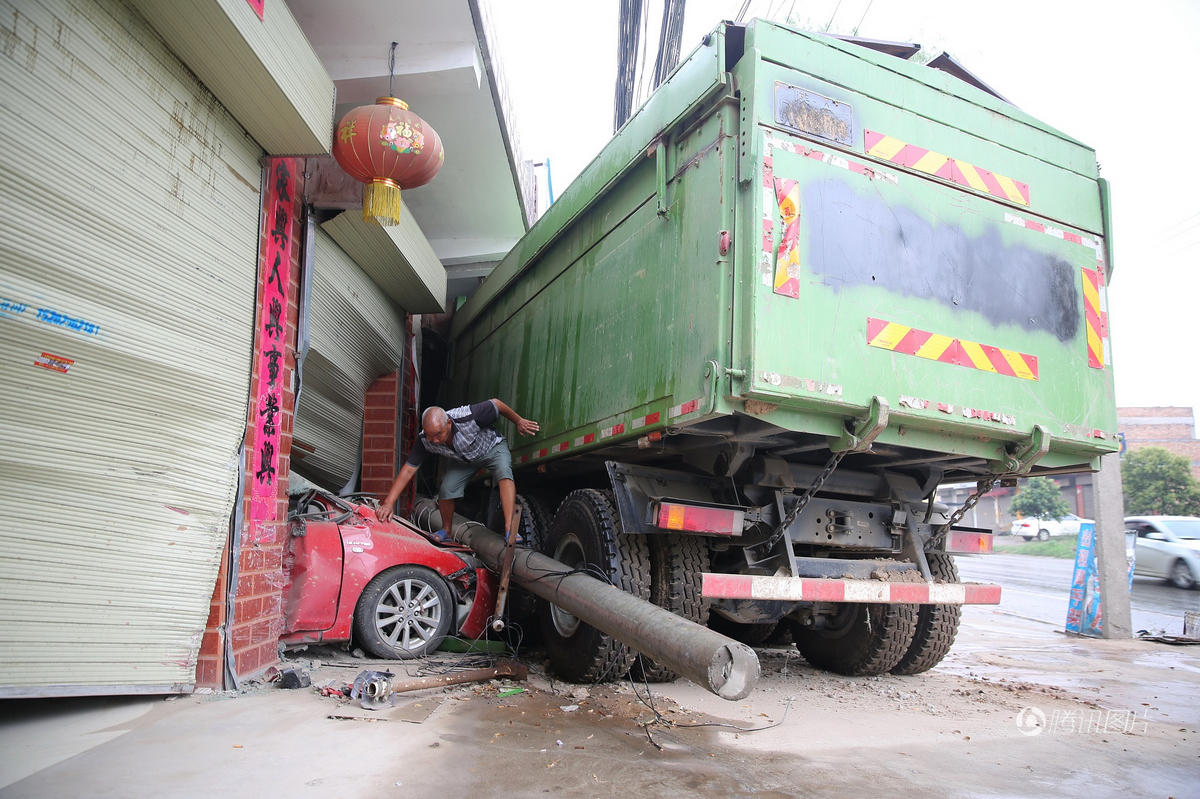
[{"x": 805, "y": 285}]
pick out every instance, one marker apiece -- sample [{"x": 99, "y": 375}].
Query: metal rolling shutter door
[
  {"x": 131, "y": 200},
  {"x": 356, "y": 334}
]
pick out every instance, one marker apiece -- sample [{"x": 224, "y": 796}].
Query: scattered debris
[
  {"x": 1163, "y": 638},
  {"x": 371, "y": 678},
  {"x": 374, "y": 689},
  {"x": 294, "y": 678}
]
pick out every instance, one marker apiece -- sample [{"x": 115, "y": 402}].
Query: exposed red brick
[
  {"x": 379, "y": 443},
  {"x": 212, "y": 644},
  {"x": 240, "y": 637},
  {"x": 209, "y": 672}
]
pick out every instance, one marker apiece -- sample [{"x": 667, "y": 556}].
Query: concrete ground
[{"x": 1017, "y": 709}]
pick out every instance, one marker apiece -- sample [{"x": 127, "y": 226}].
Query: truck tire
[
  {"x": 936, "y": 624},
  {"x": 676, "y": 565},
  {"x": 523, "y": 606},
  {"x": 870, "y": 639},
  {"x": 586, "y": 536}
]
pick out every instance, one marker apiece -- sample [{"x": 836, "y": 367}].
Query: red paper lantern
[{"x": 388, "y": 148}]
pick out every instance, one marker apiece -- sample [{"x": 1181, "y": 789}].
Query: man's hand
[
  {"x": 527, "y": 427},
  {"x": 384, "y": 512}
]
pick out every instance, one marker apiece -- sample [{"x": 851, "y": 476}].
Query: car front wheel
[
  {"x": 1043, "y": 535},
  {"x": 403, "y": 613},
  {"x": 1181, "y": 575}
]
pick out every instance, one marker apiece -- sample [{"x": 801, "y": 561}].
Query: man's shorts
[{"x": 458, "y": 474}]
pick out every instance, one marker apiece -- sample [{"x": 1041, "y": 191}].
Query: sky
[{"x": 1118, "y": 76}]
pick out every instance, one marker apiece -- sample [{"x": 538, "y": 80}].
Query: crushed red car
[{"x": 391, "y": 588}]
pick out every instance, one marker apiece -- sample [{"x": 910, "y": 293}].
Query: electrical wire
[{"x": 663, "y": 721}]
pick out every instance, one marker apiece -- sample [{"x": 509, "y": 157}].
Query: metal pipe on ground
[{"x": 723, "y": 666}]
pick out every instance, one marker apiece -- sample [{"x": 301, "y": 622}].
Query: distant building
[
  {"x": 993, "y": 510},
  {"x": 1172, "y": 428}
]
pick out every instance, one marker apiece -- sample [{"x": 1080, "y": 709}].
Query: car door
[{"x": 1151, "y": 555}]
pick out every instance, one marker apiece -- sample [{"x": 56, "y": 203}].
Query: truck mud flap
[{"x": 815, "y": 589}]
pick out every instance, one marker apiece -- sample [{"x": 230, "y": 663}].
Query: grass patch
[{"x": 1054, "y": 548}]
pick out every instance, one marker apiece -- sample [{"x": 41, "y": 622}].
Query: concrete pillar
[{"x": 1110, "y": 548}]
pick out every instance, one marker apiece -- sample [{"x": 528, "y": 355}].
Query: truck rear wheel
[
  {"x": 522, "y": 605},
  {"x": 585, "y": 535},
  {"x": 936, "y": 624},
  {"x": 864, "y": 639},
  {"x": 676, "y": 565}
]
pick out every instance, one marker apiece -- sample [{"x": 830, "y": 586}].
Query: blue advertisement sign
[{"x": 1085, "y": 607}]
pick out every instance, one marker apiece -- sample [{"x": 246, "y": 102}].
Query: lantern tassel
[{"x": 381, "y": 202}]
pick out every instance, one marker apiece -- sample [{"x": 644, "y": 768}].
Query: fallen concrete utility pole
[
  {"x": 376, "y": 692},
  {"x": 726, "y": 667}
]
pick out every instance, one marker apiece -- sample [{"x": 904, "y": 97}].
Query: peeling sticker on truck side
[
  {"x": 971, "y": 413},
  {"x": 808, "y": 384},
  {"x": 787, "y": 260}
]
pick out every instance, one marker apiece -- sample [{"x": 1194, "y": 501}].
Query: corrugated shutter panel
[
  {"x": 130, "y": 201},
  {"x": 356, "y": 334}
]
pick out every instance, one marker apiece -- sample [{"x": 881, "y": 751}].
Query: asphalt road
[{"x": 1037, "y": 588}]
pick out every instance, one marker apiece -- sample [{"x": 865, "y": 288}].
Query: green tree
[
  {"x": 1155, "y": 481},
  {"x": 1040, "y": 497}
]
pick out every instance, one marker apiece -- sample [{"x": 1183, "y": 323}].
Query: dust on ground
[{"x": 1016, "y": 709}]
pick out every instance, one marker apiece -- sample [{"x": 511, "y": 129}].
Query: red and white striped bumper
[{"x": 814, "y": 589}]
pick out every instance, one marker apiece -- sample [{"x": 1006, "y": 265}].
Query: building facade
[{"x": 191, "y": 319}]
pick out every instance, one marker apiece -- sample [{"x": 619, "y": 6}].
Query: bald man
[{"x": 465, "y": 438}]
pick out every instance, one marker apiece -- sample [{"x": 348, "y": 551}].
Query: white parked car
[
  {"x": 1041, "y": 529},
  {"x": 1167, "y": 547},
  {"x": 1071, "y": 523},
  {"x": 1032, "y": 527}
]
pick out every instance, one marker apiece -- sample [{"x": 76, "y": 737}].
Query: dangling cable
[{"x": 391, "y": 67}]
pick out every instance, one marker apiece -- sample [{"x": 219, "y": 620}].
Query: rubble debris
[
  {"x": 375, "y": 689},
  {"x": 370, "y": 678},
  {"x": 294, "y": 678}
]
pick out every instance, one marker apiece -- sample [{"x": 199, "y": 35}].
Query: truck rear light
[
  {"x": 699, "y": 519},
  {"x": 968, "y": 543}
]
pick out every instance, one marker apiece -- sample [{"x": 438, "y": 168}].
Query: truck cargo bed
[{"x": 792, "y": 230}]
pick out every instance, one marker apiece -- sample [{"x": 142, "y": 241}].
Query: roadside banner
[{"x": 1085, "y": 607}]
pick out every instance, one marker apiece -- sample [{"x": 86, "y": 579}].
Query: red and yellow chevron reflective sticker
[
  {"x": 973, "y": 177},
  {"x": 946, "y": 349},
  {"x": 1094, "y": 318},
  {"x": 787, "y": 260}
]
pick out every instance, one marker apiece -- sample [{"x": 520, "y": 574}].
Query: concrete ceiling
[{"x": 471, "y": 212}]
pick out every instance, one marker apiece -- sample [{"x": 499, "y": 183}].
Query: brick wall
[
  {"x": 380, "y": 435},
  {"x": 1170, "y": 428},
  {"x": 257, "y": 618}
]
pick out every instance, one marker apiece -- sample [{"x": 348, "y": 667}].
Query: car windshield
[{"x": 1184, "y": 528}]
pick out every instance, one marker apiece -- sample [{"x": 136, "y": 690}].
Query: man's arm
[
  {"x": 525, "y": 427},
  {"x": 384, "y": 511}
]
